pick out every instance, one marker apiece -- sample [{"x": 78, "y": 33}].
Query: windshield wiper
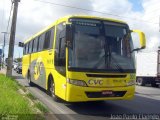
[
  {"x": 100, "y": 60},
  {"x": 118, "y": 67}
]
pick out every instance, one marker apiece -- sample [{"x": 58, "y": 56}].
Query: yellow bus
[{"x": 83, "y": 58}]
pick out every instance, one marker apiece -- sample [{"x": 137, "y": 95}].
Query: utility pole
[
  {"x": 4, "y": 41},
  {"x": 159, "y": 23},
  {"x": 12, "y": 39}
]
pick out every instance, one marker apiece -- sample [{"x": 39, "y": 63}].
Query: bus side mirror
[
  {"x": 69, "y": 35},
  {"x": 20, "y": 44},
  {"x": 142, "y": 39}
]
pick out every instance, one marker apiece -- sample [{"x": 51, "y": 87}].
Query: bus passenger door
[
  {"x": 60, "y": 61},
  {"x": 28, "y": 60},
  {"x": 33, "y": 59}
]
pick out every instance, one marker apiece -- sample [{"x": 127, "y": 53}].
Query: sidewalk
[{"x": 3, "y": 71}]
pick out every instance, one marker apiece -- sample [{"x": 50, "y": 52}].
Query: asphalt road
[{"x": 145, "y": 105}]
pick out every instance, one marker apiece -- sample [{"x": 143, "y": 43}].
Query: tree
[{"x": 19, "y": 59}]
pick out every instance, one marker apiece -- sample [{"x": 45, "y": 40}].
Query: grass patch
[
  {"x": 41, "y": 107},
  {"x": 14, "y": 103},
  {"x": 11, "y": 102}
]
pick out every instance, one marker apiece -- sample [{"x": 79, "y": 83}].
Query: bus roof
[
  {"x": 73, "y": 16},
  {"x": 95, "y": 17}
]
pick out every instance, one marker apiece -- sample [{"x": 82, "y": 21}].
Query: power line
[
  {"x": 8, "y": 19},
  {"x": 3, "y": 15},
  {"x": 153, "y": 17},
  {"x": 9, "y": 16},
  {"x": 6, "y": 30},
  {"x": 152, "y": 4},
  {"x": 159, "y": 23},
  {"x": 152, "y": 11},
  {"x": 8, "y": 44},
  {"x": 57, "y": 4}
]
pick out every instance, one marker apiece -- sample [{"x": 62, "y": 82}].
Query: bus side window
[
  {"x": 52, "y": 38},
  {"x": 27, "y": 49},
  {"x": 33, "y": 42},
  {"x": 47, "y": 40},
  {"x": 35, "y": 45},
  {"x": 24, "y": 49},
  {"x": 41, "y": 42},
  {"x": 38, "y": 48},
  {"x": 25, "y": 52},
  {"x": 60, "y": 46},
  {"x": 30, "y": 46}
]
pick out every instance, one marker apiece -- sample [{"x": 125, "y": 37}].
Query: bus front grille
[
  {"x": 100, "y": 95},
  {"x": 106, "y": 76}
]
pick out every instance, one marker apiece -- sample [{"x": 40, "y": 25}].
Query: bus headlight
[
  {"x": 77, "y": 82},
  {"x": 131, "y": 82}
]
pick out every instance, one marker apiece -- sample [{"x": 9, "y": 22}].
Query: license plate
[{"x": 107, "y": 92}]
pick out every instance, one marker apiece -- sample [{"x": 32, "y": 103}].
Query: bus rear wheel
[{"x": 29, "y": 80}]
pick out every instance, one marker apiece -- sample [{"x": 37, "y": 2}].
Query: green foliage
[
  {"x": 11, "y": 101},
  {"x": 13, "y": 104},
  {"x": 19, "y": 59}
]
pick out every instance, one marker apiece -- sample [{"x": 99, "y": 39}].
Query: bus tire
[
  {"x": 29, "y": 79},
  {"x": 140, "y": 81},
  {"x": 51, "y": 89}
]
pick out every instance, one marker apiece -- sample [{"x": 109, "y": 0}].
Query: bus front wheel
[{"x": 51, "y": 90}]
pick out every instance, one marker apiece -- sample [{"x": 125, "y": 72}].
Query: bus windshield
[{"x": 101, "y": 45}]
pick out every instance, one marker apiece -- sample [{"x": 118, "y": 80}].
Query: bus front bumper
[{"x": 79, "y": 94}]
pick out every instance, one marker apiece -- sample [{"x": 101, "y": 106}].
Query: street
[{"x": 146, "y": 101}]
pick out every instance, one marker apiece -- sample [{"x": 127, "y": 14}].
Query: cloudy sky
[{"x": 34, "y": 15}]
